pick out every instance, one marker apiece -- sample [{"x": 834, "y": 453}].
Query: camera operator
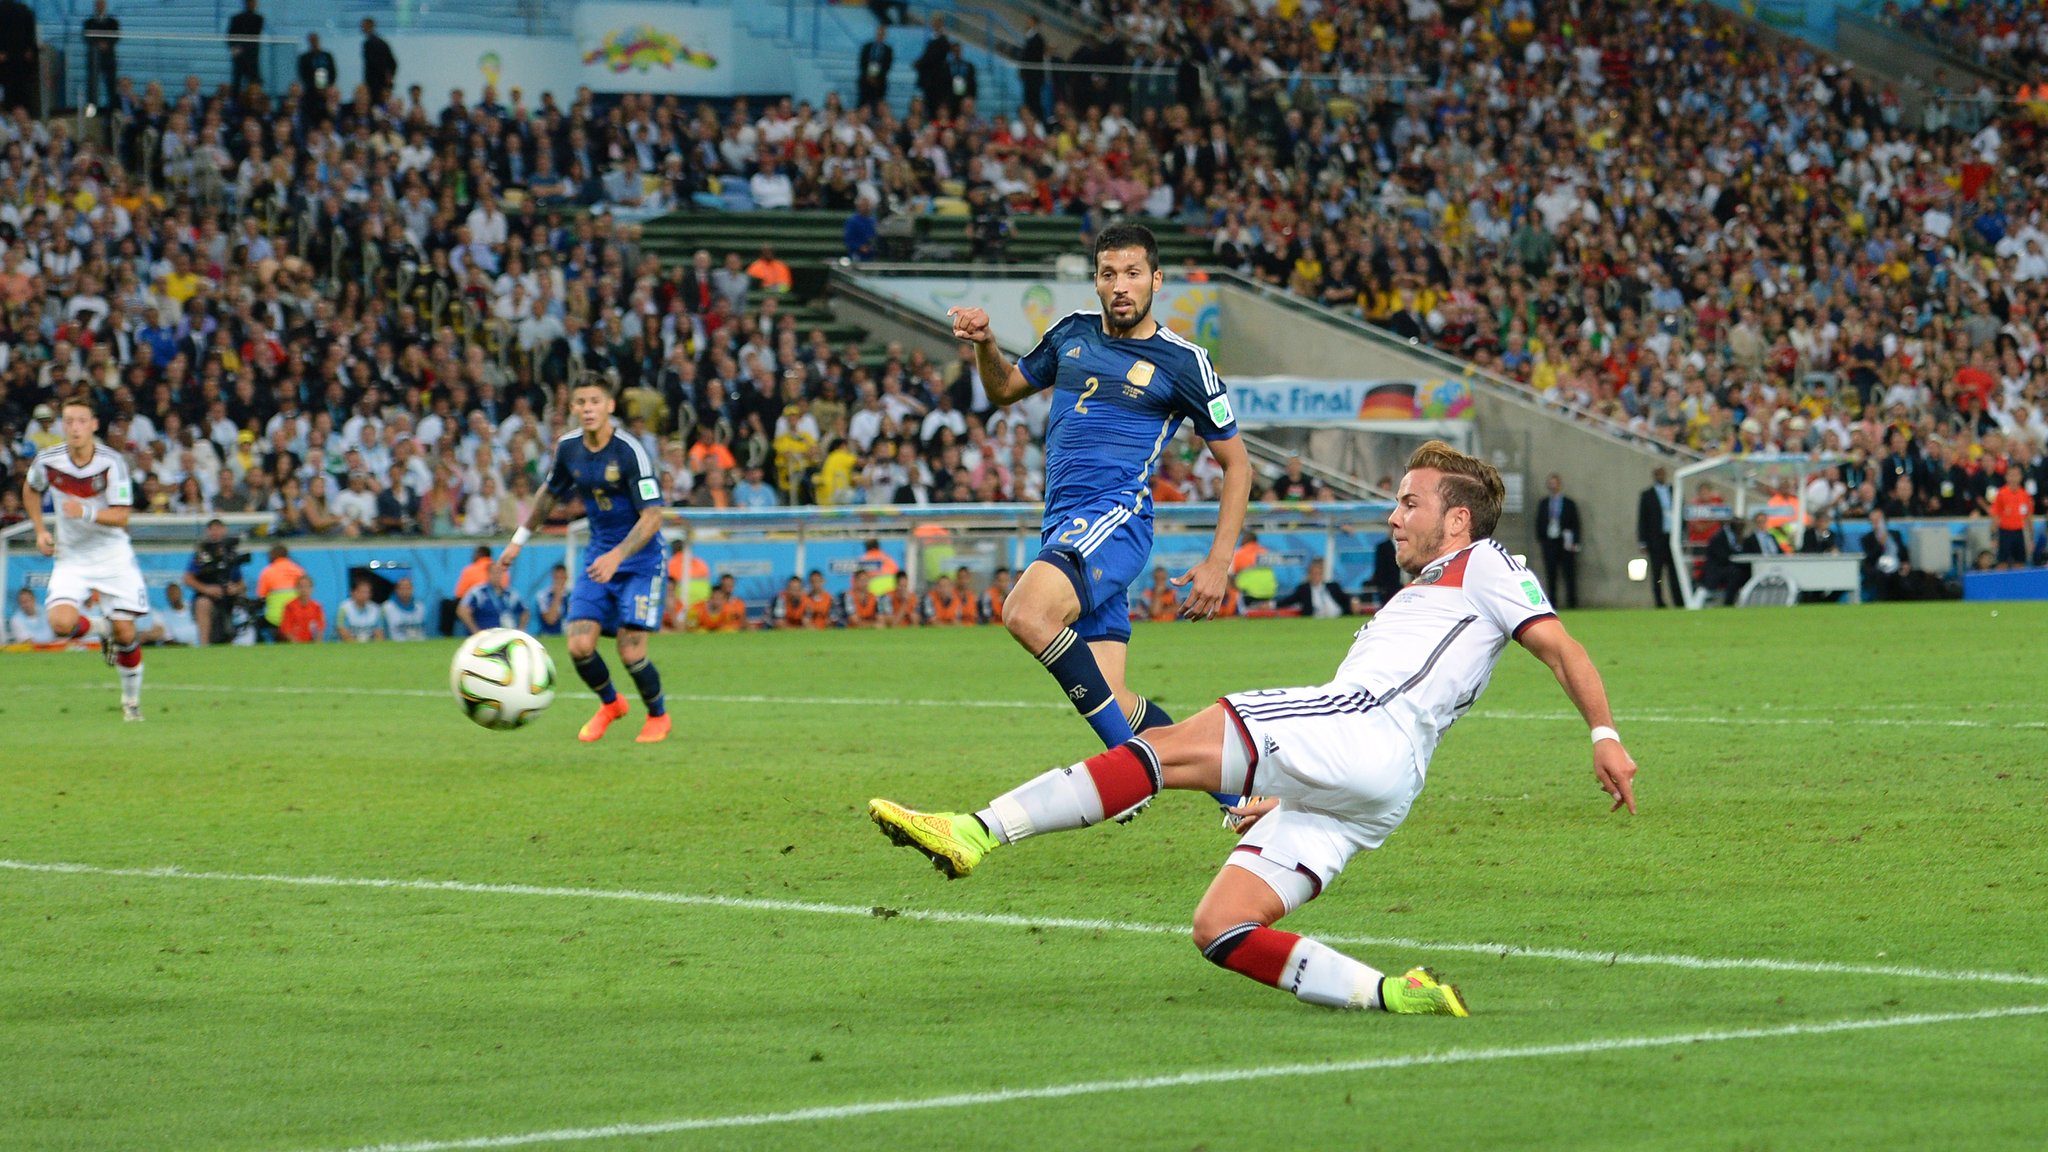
[{"x": 215, "y": 578}]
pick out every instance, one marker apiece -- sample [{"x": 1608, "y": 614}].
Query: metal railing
[
  {"x": 1342, "y": 483},
  {"x": 165, "y": 58}
]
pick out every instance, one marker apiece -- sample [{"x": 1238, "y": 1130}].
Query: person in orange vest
[
  {"x": 970, "y": 600},
  {"x": 899, "y": 607},
  {"x": 787, "y": 609},
  {"x": 819, "y": 610},
  {"x": 875, "y": 562},
  {"x": 722, "y": 611},
  {"x": 1160, "y": 602},
  {"x": 989, "y": 609},
  {"x": 770, "y": 273},
  {"x": 940, "y": 604},
  {"x": 1248, "y": 554},
  {"x": 696, "y": 589},
  {"x": 475, "y": 572},
  {"x": 707, "y": 453},
  {"x": 863, "y": 607},
  {"x": 2012, "y": 512}
]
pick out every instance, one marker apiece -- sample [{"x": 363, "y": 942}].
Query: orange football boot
[
  {"x": 593, "y": 728},
  {"x": 654, "y": 731}
]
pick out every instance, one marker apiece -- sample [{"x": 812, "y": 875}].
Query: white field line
[
  {"x": 1680, "y": 715},
  {"x": 1198, "y": 1079},
  {"x": 1574, "y": 955}
]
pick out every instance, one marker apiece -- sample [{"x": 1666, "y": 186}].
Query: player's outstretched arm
[
  {"x": 1567, "y": 660},
  {"x": 1003, "y": 381},
  {"x": 1211, "y": 577},
  {"x": 543, "y": 504}
]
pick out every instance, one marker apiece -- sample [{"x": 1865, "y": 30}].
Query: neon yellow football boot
[
  {"x": 1420, "y": 992},
  {"x": 955, "y": 841}
]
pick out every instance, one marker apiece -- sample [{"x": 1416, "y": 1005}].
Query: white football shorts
[
  {"x": 1342, "y": 767},
  {"x": 122, "y": 591}
]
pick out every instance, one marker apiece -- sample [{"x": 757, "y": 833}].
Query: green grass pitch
[{"x": 1863, "y": 789}]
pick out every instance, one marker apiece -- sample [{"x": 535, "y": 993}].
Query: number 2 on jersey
[{"x": 1081, "y": 405}]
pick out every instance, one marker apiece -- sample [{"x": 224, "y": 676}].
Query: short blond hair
[{"x": 1468, "y": 482}]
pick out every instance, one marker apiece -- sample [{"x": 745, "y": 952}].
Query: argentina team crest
[
  {"x": 1140, "y": 378},
  {"x": 611, "y": 473}
]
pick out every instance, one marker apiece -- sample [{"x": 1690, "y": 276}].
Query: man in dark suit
[
  {"x": 1031, "y": 68},
  {"x": 1721, "y": 573},
  {"x": 1318, "y": 596},
  {"x": 961, "y": 84},
  {"x": 1558, "y": 534},
  {"x": 1217, "y": 155},
  {"x": 1887, "y": 572},
  {"x": 696, "y": 286},
  {"x": 244, "y": 53},
  {"x": 1761, "y": 541},
  {"x": 876, "y": 58},
  {"x": 316, "y": 71},
  {"x": 1655, "y": 514},
  {"x": 380, "y": 66},
  {"x": 1386, "y": 571},
  {"x": 935, "y": 69},
  {"x": 102, "y": 34},
  {"x": 20, "y": 57}
]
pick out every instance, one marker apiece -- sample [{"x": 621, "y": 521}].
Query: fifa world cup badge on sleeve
[
  {"x": 1219, "y": 410},
  {"x": 648, "y": 491}
]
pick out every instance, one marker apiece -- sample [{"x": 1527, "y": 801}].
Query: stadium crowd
[
  {"x": 365, "y": 317},
  {"x": 2009, "y": 36}
]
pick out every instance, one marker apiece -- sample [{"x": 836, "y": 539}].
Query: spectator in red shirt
[
  {"x": 305, "y": 621},
  {"x": 2012, "y": 510}
]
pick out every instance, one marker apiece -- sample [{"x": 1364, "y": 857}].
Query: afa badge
[
  {"x": 1138, "y": 379},
  {"x": 611, "y": 473}
]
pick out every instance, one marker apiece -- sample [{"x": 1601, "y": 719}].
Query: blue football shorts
[
  {"x": 627, "y": 600},
  {"x": 1105, "y": 546}
]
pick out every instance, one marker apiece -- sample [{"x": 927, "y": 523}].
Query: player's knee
[
  {"x": 581, "y": 645},
  {"x": 1032, "y": 625},
  {"x": 1211, "y": 923}
]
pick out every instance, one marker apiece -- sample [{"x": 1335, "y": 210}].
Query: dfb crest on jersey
[
  {"x": 1432, "y": 576},
  {"x": 611, "y": 473}
]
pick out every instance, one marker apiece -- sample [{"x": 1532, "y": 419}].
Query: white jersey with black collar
[
  {"x": 101, "y": 482},
  {"x": 1430, "y": 650}
]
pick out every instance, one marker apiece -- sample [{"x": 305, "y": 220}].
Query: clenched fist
[{"x": 970, "y": 324}]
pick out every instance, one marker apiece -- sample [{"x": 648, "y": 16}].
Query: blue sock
[
  {"x": 1151, "y": 715},
  {"x": 595, "y": 674},
  {"x": 1073, "y": 665},
  {"x": 649, "y": 682}
]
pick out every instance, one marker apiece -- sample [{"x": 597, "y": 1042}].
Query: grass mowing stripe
[
  {"x": 1624, "y": 717},
  {"x": 1574, "y": 955},
  {"x": 1197, "y": 1079}
]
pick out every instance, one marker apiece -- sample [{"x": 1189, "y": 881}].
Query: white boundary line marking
[
  {"x": 1678, "y": 715},
  {"x": 1574, "y": 955},
  {"x": 1195, "y": 1079}
]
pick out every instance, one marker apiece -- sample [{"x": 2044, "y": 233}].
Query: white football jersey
[
  {"x": 1429, "y": 652},
  {"x": 101, "y": 482}
]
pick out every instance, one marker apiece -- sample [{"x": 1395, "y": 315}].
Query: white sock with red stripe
[
  {"x": 128, "y": 662},
  {"x": 1315, "y": 972},
  {"x": 1075, "y": 796},
  {"x": 89, "y": 628}
]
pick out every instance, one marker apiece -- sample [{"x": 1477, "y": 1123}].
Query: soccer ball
[{"x": 503, "y": 677}]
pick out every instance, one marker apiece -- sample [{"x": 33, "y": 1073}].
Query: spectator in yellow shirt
[
  {"x": 180, "y": 283},
  {"x": 835, "y": 482}
]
